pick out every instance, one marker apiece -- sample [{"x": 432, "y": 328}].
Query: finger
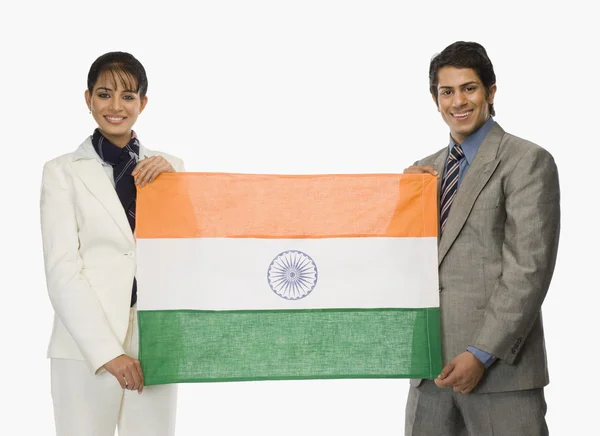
[
  {"x": 137, "y": 167},
  {"x": 463, "y": 388},
  {"x": 130, "y": 381},
  {"x": 449, "y": 381},
  {"x": 144, "y": 169},
  {"x": 152, "y": 160},
  {"x": 163, "y": 167},
  {"x": 460, "y": 387},
  {"x": 123, "y": 381},
  {"x": 137, "y": 380},
  {"x": 141, "y": 375},
  {"x": 157, "y": 171},
  {"x": 446, "y": 383},
  {"x": 142, "y": 164},
  {"x": 150, "y": 173},
  {"x": 446, "y": 371},
  {"x": 421, "y": 169}
]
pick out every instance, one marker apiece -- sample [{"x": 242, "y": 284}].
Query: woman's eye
[{"x": 103, "y": 95}]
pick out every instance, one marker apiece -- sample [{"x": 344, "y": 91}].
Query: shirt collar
[
  {"x": 86, "y": 151},
  {"x": 472, "y": 143}
]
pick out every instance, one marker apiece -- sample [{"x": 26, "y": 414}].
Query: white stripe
[{"x": 231, "y": 273}]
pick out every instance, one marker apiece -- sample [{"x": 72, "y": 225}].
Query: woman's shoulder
[
  {"x": 63, "y": 160},
  {"x": 84, "y": 150}
]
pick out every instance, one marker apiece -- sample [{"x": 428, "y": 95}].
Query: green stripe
[{"x": 209, "y": 346}]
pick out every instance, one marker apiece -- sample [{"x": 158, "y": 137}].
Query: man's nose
[{"x": 459, "y": 99}]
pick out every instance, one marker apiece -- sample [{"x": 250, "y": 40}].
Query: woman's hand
[
  {"x": 127, "y": 371},
  {"x": 147, "y": 170}
]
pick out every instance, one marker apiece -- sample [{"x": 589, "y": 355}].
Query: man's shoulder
[{"x": 516, "y": 147}]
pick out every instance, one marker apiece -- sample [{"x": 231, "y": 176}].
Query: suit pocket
[
  {"x": 491, "y": 196},
  {"x": 486, "y": 203}
]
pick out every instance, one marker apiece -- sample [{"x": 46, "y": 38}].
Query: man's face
[{"x": 462, "y": 101}]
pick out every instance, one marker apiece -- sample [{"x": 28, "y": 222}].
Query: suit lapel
[
  {"x": 481, "y": 169},
  {"x": 145, "y": 152},
  {"x": 91, "y": 172}
]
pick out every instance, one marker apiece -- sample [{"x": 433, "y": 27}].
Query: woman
[{"x": 88, "y": 231}]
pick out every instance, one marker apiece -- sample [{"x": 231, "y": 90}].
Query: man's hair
[
  {"x": 463, "y": 54},
  {"x": 123, "y": 67}
]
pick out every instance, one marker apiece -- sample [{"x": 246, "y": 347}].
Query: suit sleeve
[
  {"x": 531, "y": 233},
  {"x": 180, "y": 167},
  {"x": 72, "y": 297}
]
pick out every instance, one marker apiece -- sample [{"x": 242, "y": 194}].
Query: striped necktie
[{"x": 450, "y": 183}]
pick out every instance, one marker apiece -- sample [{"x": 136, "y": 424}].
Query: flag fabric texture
[{"x": 276, "y": 277}]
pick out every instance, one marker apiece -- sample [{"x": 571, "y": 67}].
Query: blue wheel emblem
[{"x": 292, "y": 275}]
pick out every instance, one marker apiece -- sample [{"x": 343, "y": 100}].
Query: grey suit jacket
[{"x": 496, "y": 259}]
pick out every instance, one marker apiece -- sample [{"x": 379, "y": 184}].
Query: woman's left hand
[{"x": 147, "y": 170}]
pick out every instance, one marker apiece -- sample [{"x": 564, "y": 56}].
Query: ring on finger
[{"x": 125, "y": 378}]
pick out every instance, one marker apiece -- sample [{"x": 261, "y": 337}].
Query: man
[{"x": 499, "y": 227}]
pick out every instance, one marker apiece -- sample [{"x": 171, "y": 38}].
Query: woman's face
[{"x": 115, "y": 106}]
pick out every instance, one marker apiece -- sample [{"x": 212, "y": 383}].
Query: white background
[{"x": 295, "y": 87}]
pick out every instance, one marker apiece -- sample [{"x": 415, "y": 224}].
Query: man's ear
[{"x": 491, "y": 94}]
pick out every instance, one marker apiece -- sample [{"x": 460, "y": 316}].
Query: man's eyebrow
[{"x": 460, "y": 86}]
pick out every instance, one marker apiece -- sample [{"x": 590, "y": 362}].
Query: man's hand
[
  {"x": 127, "y": 371},
  {"x": 147, "y": 170},
  {"x": 463, "y": 373},
  {"x": 421, "y": 169}
]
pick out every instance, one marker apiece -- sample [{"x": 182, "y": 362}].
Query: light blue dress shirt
[{"x": 470, "y": 146}]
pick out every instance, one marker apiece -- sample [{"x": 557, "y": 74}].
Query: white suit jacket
[{"x": 89, "y": 255}]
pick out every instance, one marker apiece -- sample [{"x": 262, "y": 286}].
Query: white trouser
[{"x": 94, "y": 405}]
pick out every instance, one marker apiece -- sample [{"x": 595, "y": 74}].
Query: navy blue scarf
[{"x": 123, "y": 161}]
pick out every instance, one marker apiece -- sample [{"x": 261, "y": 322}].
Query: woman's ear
[{"x": 88, "y": 100}]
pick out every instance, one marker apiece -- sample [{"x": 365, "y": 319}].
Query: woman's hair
[{"x": 123, "y": 67}]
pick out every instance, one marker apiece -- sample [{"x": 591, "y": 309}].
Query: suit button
[
  {"x": 441, "y": 288},
  {"x": 130, "y": 254}
]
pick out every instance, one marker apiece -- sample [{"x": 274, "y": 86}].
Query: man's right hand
[
  {"x": 421, "y": 169},
  {"x": 127, "y": 371}
]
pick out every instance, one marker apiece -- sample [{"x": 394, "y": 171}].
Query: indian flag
[{"x": 276, "y": 277}]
